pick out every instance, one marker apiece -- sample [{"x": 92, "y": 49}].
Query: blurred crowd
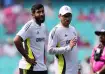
[
  {"x": 12, "y": 16},
  {"x": 97, "y": 19}
]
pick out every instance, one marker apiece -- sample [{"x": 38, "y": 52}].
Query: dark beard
[{"x": 40, "y": 21}]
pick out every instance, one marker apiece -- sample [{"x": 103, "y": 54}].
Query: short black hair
[{"x": 36, "y": 7}]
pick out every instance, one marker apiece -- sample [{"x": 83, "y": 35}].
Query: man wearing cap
[
  {"x": 98, "y": 54},
  {"x": 62, "y": 42}
]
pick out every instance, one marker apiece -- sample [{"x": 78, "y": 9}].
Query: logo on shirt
[
  {"x": 40, "y": 39},
  {"x": 74, "y": 33},
  {"x": 37, "y": 32},
  {"x": 67, "y": 42},
  {"x": 66, "y": 35}
]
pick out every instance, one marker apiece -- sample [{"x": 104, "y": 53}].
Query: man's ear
[
  {"x": 32, "y": 14},
  {"x": 59, "y": 15}
]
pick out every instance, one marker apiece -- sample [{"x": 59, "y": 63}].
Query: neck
[
  {"x": 38, "y": 23},
  {"x": 65, "y": 26}
]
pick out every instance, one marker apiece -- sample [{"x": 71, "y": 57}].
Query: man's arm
[
  {"x": 18, "y": 43},
  {"x": 61, "y": 50},
  {"x": 52, "y": 43}
]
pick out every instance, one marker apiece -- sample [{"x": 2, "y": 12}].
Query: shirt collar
[{"x": 60, "y": 25}]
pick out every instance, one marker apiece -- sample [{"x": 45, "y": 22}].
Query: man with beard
[
  {"x": 33, "y": 35},
  {"x": 98, "y": 54},
  {"x": 62, "y": 42}
]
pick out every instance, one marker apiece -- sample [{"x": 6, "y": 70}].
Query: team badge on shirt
[
  {"x": 74, "y": 33},
  {"x": 37, "y": 32},
  {"x": 66, "y": 35}
]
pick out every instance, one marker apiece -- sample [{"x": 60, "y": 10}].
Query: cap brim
[
  {"x": 98, "y": 33},
  {"x": 66, "y": 13}
]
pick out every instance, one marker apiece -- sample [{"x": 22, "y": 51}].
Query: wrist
[
  {"x": 26, "y": 57},
  {"x": 69, "y": 47}
]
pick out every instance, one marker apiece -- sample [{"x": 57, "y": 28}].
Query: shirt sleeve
[
  {"x": 52, "y": 43},
  {"x": 25, "y": 32}
]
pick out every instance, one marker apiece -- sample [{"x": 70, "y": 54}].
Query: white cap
[
  {"x": 65, "y": 9},
  {"x": 102, "y": 31}
]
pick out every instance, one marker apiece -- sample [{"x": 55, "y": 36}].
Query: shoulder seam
[
  {"x": 28, "y": 26},
  {"x": 54, "y": 32}
]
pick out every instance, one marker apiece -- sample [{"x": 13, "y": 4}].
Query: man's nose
[{"x": 41, "y": 13}]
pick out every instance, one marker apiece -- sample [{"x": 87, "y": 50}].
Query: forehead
[
  {"x": 67, "y": 15},
  {"x": 40, "y": 9}
]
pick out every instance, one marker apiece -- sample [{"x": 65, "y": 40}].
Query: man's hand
[
  {"x": 18, "y": 42},
  {"x": 31, "y": 61},
  {"x": 73, "y": 42}
]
